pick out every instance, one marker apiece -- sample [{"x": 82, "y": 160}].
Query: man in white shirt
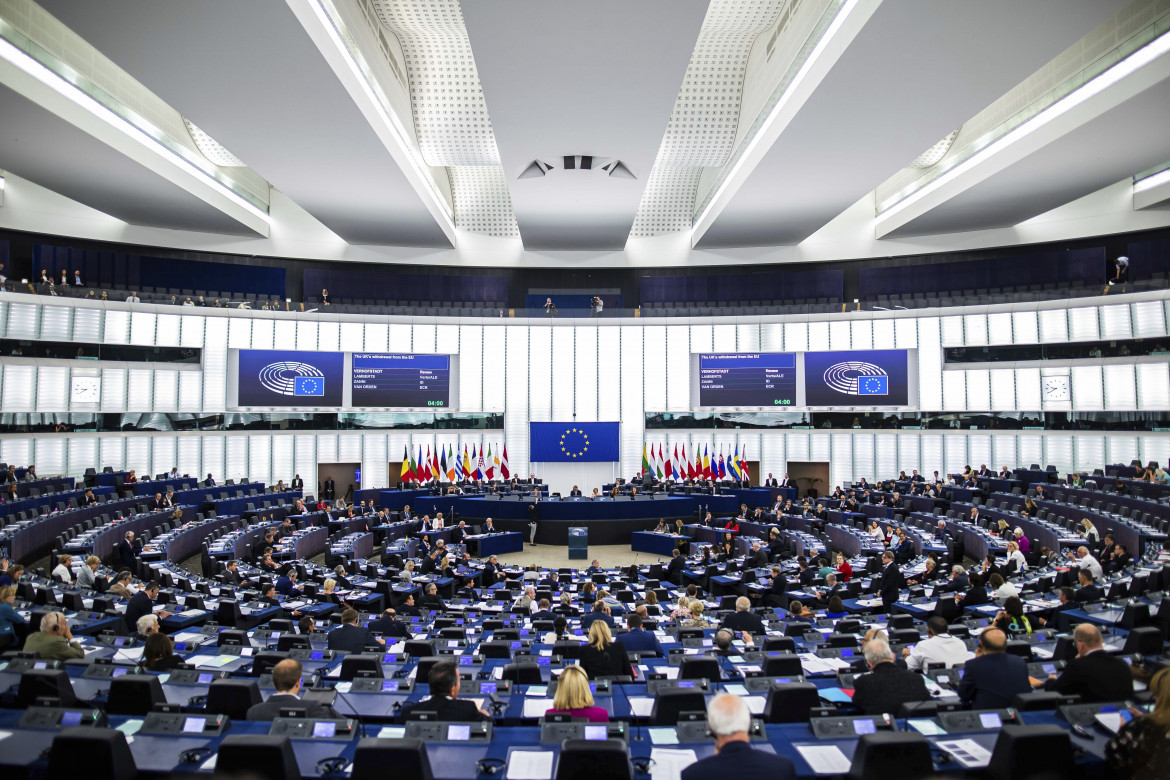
[
  {"x": 938, "y": 647},
  {"x": 1086, "y": 561},
  {"x": 133, "y": 298}
]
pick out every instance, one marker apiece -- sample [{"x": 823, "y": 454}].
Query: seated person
[
  {"x": 886, "y": 688},
  {"x": 1094, "y": 675},
  {"x": 743, "y": 619},
  {"x": 602, "y": 657},
  {"x": 1011, "y": 619},
  {"x": 938, "y": 647},
  {"x": 993, "y": 677},
  {"x": 286, "y": 678},
  {"x": 836, "y": 609},
  {"x": 637, "y": 639},
  {"x": 54, "y": 641},
  {"x": 444, "y": 700},
  {"x": 388, "y": 625},
  {"x": 159, "y": 653},
  {"x": 351, "y": 637},
  {"x": 729, "y": 721},
  {"x": 574, "y": 697}
]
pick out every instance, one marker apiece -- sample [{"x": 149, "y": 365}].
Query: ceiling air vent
[
  {"x": 535, "y": 170},
  {"x": 618, "y": 169}
]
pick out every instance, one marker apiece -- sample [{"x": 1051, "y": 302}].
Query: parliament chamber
[{"x": 669, "y": 390}]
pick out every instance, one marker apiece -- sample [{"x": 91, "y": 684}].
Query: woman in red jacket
[{"x": 843, "y": 568}]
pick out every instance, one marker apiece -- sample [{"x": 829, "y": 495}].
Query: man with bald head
[
  {"x": 992, "y": 678},
  {"x": 729, "y": 719},
  {"x": 1094, "y": 675}
]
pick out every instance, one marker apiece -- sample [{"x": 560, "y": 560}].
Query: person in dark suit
[
  {"x": 157, "y": 502},
  {"x": 675, "y": 568},
  {"x": 1088, "y": 592},
  {"x": 430, "y": 563},
  {"x": 388, "y": 625},
  {"x": 351, "y": 637},
  {"x": 544, "y": 611},
  {"x": 759, "y": 557},
  {"x": 886, "y": 688},
  {"x": 890, "y": 582},
  {"x": 576, "y": 491},
  {"x": 407, "y": 607},
  {"x": 1068, "y": 603},
  {"x": 329, "y": 490},
  {"x": 430, "y": 600},
  {"x": 638, "y": 640},
  {"x": 128, "y": 550},
  {"x": 904, "y": 552},
  {"x": 444, "y": 700},
  {"x": 777, "y": 591},
  {"x": 298, "y": 483},
  {"x": 992, "y": 678},
  {"x": 976, "y": 595},
  {"x": 771, "y": 481},
  {"x": 286, "y": 676},
  {"x": 1094, "y": 675},
  {"x": 743, "y": 619},
  {"x": 231, "y": 574},
  {"x": 142, "y": 603},
  {"x": 730, "y": 720},
  {"x": 287, "y": 584}
]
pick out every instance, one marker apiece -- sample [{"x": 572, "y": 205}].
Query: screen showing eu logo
[
  {"x": 277, "y": 378},
  {"x": 870, "y": 378}
]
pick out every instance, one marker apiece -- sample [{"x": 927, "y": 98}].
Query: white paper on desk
[
  {"x": 397, "y": 647},
  {"x": 539, "y": 691},
  {"x": 1042, "y": 652},
  {"x": 498, "y": 673},
  {"x": 811, "y": 664},
  {"x": 671, "y": 672},
  {"x": 209, "y": 764},
  {"x": 755, "y": 704},
  {"x": 5, "y": 735},
  {"x": 535, "y": 708},
  {"x": 214, "y": 662},
  {"x": 1110, "y": 720},
  {"x": 967, "y": 752},
  {"x": 641, "y": 706},
  {"x": 343, "y": 687},
  {"x": 189, "y": 636},
  {"x": 129, "y": 654},
  {"x": 663, "y": 735},
  {"x": 670, "y": 762},
  {"x": 530, "y": 765},
  {"x": 735, "y": 689},
  {"x": 836, "y": 663},
  {"x": 824, "y": 759}
]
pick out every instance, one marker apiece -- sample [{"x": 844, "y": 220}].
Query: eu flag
[
  {"x": 873, "y": 385},
  {"x": 309, "y": 385},
  {"x": 573, "y": 442}
]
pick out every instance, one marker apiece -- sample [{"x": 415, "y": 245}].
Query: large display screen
[
  {"x": 401, "y": 381},
  {"x": 275, "y": 378},
  {"x": 756, "y": 379},
  {"x": 869, "y": 378}
]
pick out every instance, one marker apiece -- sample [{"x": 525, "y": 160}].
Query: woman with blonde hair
[
  {"x": 1014, "y": 554},
  {"x": 682, "y": 610},
  {"x": 63, "y": 572},
  {"x": 602, "y": 657},
  {"x": 1141, "y": 749},
  {"x": 574, "y": 698},
  {"x": 697, "y": 620},
  {"x": 407, "y": 572},
  {"x": 1090, "y": 531}
]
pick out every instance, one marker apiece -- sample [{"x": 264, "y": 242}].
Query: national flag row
[
  {"x": 675, "y": 463},
  {"x": 447, "y": 465}
]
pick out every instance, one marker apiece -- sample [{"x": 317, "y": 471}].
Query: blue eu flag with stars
[
  {"x": 573, "y": 442},
  {"x": 309, "y": 385}
]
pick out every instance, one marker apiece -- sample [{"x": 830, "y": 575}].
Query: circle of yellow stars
[{"x": 584, "y": 449}]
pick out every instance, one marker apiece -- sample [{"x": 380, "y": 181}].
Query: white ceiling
[
  {"x": 248, "y": 75},
  {"x": 907, "y": 79},
  {"x": 40, "y": 146},
  {"x": 569, "y": 78}
]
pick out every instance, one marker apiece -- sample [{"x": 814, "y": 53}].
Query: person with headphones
[{"x": 55, "y": 640}]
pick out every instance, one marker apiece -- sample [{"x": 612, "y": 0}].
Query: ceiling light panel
[
  {"x": 451, "y": 120},
  {"x": 450, "y": 114},
  {"x": 482, "y": 202},
  {"x": 703, "y": 125}
]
